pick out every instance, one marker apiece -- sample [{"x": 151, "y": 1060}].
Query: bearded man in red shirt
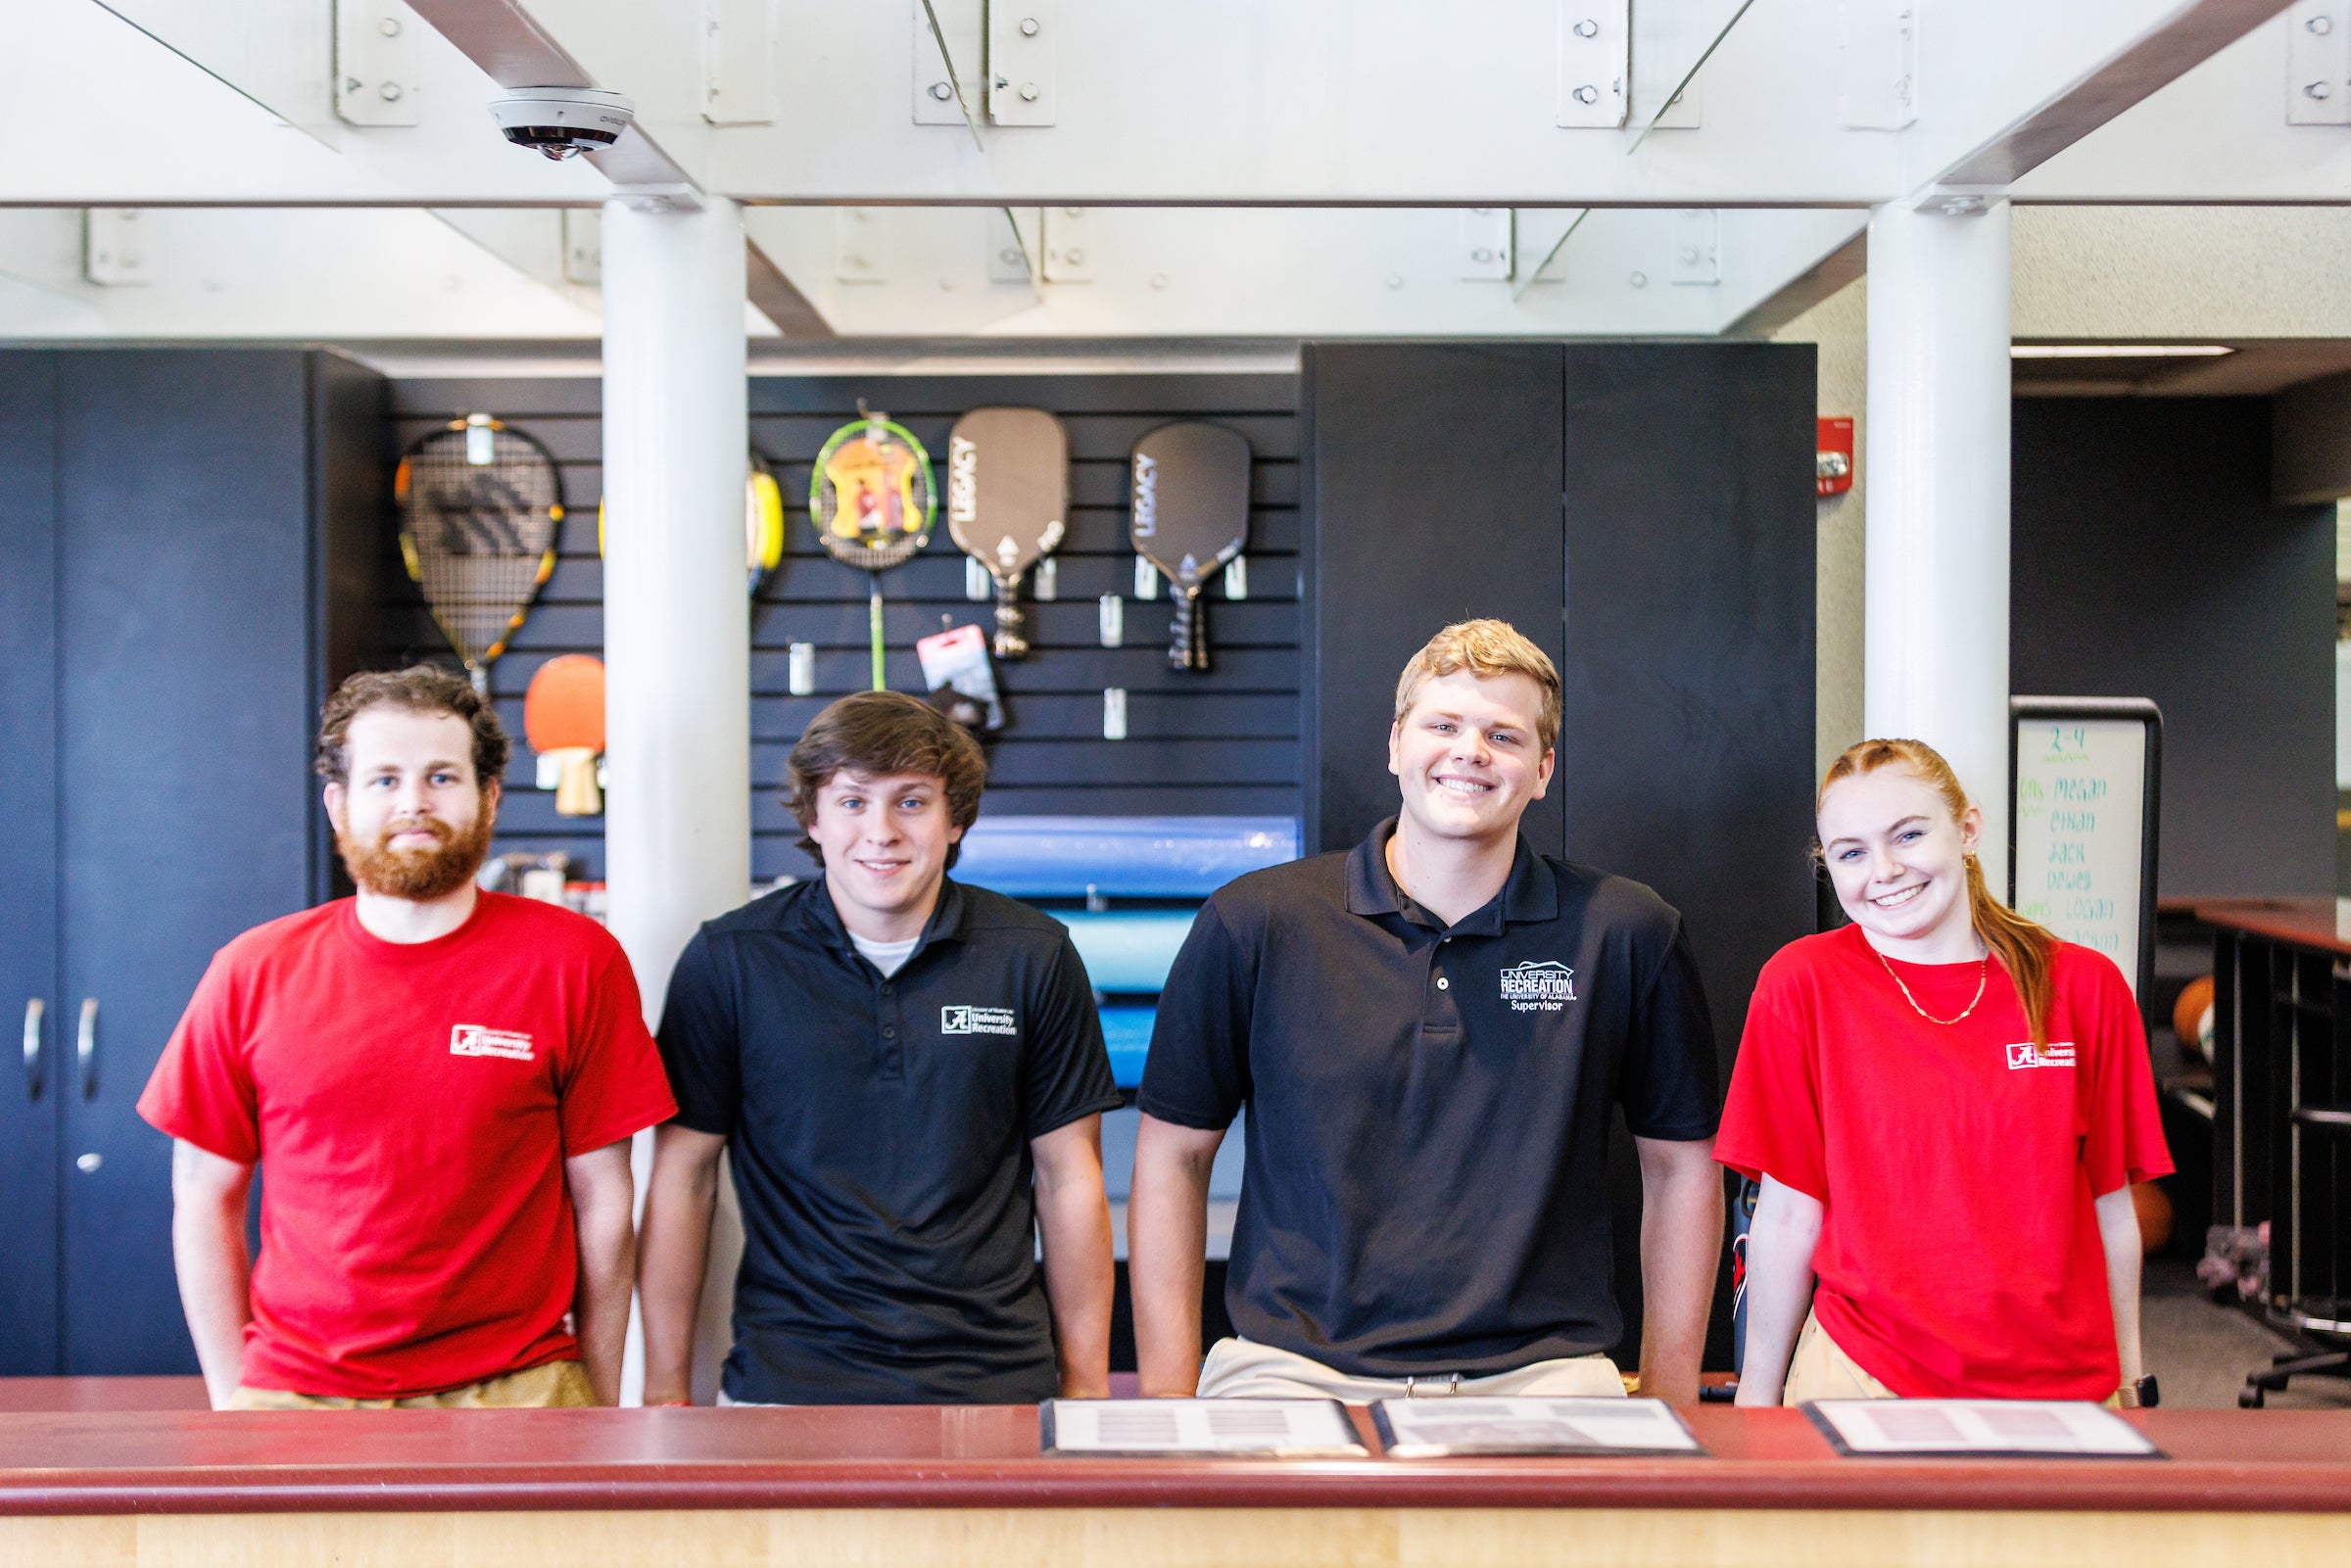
[{"x": 441, "y": 1084}]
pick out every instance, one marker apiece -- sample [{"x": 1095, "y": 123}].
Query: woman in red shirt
[{"x": 1947, "y": 1107}]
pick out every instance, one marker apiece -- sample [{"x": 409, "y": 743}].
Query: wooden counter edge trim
[{"x": 1851, "y": 1485}]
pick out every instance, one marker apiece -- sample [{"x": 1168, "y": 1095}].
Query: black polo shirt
[
  {"x": 1425, "y": 1188},
  {"x": 879, "y": 1133}
]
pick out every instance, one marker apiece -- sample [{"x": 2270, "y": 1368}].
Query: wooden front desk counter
[{"x": 846, "y": 1487}]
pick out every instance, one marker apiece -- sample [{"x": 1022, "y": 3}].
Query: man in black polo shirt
[
  {"x": 909, "y": 1077},
  {"x": 1429, "y": 1032}
]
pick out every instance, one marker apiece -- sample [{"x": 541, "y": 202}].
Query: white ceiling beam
[
  {"x": 2175, "y": 45},
  {"x": 95, "y": 113},
  {"x": 1250, "y": 272},
  {"x": 1216, "y": 102},
  {"x": 2218, "y": 135},
  {"x": 277, "y": 274},
  {"x": 278, "y": 53}
]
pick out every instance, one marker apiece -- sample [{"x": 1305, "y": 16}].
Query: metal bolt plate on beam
[
  {"x": 377, "y": 72},
  {"x": 114, "y": 254},
  {"x": 1069, "y": 247},
  {"x": 934, "y": 89},
  {"x": 1880, "y": 64},
  {"x": 584, "y": 246},
  {"x": 1594, "y": 62},
  {"x": 1697, "y": 249},
  {"x": 860, "y": 244},
  {"x": 739, "y": 61},
  {"x": 2318, "y": 64},
  {"x": 1020, "y": 62},
  {"x": 1486, "y": 250}
]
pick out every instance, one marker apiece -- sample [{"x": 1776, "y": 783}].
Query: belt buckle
[{"x": 1432, "y": 1388}]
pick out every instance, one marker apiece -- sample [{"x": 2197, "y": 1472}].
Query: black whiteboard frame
[{"x": 2045, "y": 710}]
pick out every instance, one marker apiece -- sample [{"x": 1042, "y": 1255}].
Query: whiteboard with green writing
[{"x": 2082, "y": 812}]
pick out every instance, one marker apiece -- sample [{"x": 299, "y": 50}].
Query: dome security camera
[{"x": 562, "y": 121}]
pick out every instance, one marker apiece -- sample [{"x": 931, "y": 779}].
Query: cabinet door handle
[
  {"x": 34, "y": 1011},
  {"x": 86, "y": 1048}
]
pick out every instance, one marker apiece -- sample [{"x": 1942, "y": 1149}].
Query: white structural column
[
  {"x": 1936, "y": 642},
  {"x": 677, "y": 627}
]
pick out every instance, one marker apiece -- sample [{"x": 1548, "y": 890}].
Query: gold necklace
[{"x": 1983, "y": 974}]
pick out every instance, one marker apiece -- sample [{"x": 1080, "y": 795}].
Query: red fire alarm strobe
[{"x": 1833, "y": 467}]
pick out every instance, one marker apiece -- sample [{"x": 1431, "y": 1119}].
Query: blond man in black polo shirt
[{"x": 1430, "y": 1032}]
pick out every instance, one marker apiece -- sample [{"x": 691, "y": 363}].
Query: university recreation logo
[
  {"x": 2056, "y": 1054},
  {"x": 474, "y": 1039},
  {"x": 1545, "y": 986},
  {"x": 976, "y": 1021}
]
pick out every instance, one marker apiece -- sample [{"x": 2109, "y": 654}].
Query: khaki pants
[
  {"x": 553, "y": 1385},
  {"x": 1241, "y": 1370},
  {"x": 1819, "y": 1370}
]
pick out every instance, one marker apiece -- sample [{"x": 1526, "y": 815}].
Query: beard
[{"x": 420, "y": 875}]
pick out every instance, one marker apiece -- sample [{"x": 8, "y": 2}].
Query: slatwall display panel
[{"x": 1222, "y": 741}]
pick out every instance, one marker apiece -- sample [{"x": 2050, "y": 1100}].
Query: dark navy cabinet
[{"x": 184, "y": 547}]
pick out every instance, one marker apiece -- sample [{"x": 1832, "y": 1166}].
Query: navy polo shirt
[
  {"x": 1425, "y": 1187},
  {"x": 879, "y": 1130}
]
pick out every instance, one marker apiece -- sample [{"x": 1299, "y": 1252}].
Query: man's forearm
[
  {"x": 674, "y": 1254},
  {"x": 1681, "y": 1241},
  {"x": 601, "y": 1307},
  {"x": 1081, "y": 1284},
  {"x": 1167, "y": 1262},
  {"x": 208, "y": 1249}
]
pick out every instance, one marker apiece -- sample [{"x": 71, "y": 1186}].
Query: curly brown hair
[
  {"x": 875, "y": 734},
  {"x": 419, "y": 689}
]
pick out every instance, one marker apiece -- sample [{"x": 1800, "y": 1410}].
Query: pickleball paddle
[
  {"x": 1008, "y": 485},
  {"x": 872, "y": 500},
  {"x": 563, "y": 718},
  {"x": 1192, "y": 515}
]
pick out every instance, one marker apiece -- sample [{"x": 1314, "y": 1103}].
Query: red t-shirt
[
  {"x": 1959, "y": 1252},
  {"x": 411, "y": 1106}
]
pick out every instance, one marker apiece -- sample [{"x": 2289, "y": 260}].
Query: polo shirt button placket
[{"x": 894, "y": 1064}]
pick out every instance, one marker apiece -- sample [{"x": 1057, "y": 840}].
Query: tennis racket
[
  {"x": 1008, "y": 485},
  {"x": 1192, "y": 515},
  {"x": 762, "y": 521},
  {"x": 480, "y": 507},
  {"x": 873, "y": 502},
  {"x": 563, "y": 718}
]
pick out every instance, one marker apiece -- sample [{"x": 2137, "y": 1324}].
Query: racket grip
[
  {"x": 576, "y": 793},
  {"x": 1010, "y": 619},
  {"x": 1195, "y": 631},
  {"x": 1179, "y": 628},
  {"x": 873, "y": 621}
]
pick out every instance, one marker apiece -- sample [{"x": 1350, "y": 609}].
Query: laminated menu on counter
[
  {"x": 1978, "y": 1428},
  {"x": 1431, "y": 1429},
  {"x": 1287, "y": 1429}
]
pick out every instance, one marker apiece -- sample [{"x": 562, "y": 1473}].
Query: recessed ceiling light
[{"x": 2118, "y": 350}]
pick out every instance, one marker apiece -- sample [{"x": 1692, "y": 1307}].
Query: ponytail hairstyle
[{"x": 2027, "y": 950}]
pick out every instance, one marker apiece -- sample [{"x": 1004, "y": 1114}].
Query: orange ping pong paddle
[{"x": 563, "y": 717}]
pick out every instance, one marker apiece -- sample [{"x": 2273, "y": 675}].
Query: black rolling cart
[{"x": 2281, "y": 1114}]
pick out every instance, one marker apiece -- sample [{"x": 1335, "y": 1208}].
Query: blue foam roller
[
  {"x": 1127, "y": 950},
  {"x": 1127, "y": 1031},
  {"x": 1121, "y": 857}
]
